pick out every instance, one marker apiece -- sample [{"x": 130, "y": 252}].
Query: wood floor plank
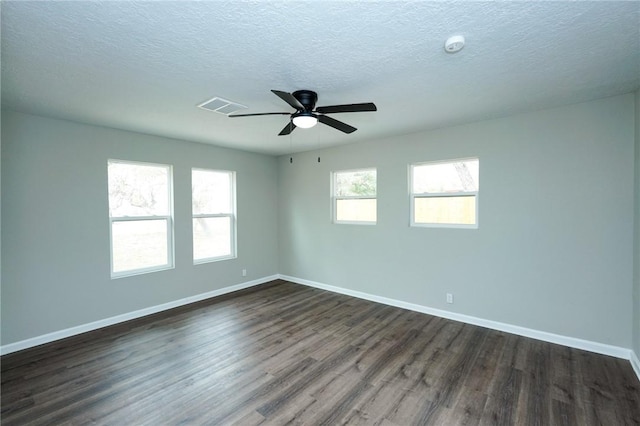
[
  {"x": 561, "y": 374},
  {"x": 563, "y": 414},
  {"x": 400, "y": 379},
  {"x": 538, "y": 387},
  {"x": 503, "y": 400},
  {"x": 282, "y": 353},
  {"x": 390, "y": 358}
]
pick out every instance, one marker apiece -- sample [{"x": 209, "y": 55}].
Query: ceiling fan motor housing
[{"x": 307, "y": 98}]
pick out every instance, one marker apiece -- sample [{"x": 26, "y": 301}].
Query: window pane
[
  {"x": 356, "y": 210},
  {"x": 356, "y": 183},
  {"x": 211, "y": 192},
  {"x": 457, "y": 176},
  {"x": 445, "y": 210},
  {"x": 138, "y": 190},
  {"x": 139, "y": 244},
  {"x": 211, "y": 237}
]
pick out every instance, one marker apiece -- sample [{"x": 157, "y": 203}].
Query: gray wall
[
  {"x": 554, "y": 248},
  {"x": 636, "y": 258},
  {"x": 55, "y": 229},
  {"x": 553, "y": 252}
]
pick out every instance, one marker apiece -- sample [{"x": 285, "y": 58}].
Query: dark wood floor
[{"x": 288, "y": 354}]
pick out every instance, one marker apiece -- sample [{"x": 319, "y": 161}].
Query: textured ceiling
[{"x": 144, "y": 66}]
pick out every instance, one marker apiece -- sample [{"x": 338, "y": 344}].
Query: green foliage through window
[{"x": 356, "y": 183}]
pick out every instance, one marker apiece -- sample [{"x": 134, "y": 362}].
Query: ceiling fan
[{"x": 304, "y": 102}]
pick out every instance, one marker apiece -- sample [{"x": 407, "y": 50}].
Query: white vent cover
[{"x": 222, "y": 106}]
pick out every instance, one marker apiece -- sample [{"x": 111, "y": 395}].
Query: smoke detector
[{"x": 454, "y": 44}]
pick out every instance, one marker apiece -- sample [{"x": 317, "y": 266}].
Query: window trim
[
  {"x": 232, "y": 218},
  {"x": 168, "y": 218},
  {"x": 335, "y": 198},
  {"x": 414, "y": 195}
]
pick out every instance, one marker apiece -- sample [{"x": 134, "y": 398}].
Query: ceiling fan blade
[
  {"x": 288, "y": 98},
  {"x": 368, "y": 106},
  {"x": 339, "y": 125},
  {"x": 259, "y": 113},
  {"x": 287, "y": 129}
]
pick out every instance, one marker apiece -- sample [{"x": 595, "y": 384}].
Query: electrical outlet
[
  {"x": 449, "y": 297},
  {"x": 244, "y": 272}
]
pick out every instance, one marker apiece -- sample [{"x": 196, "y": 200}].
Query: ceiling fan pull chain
[{"x": 290, "y": 147}]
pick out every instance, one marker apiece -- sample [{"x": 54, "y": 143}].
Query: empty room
[{"x": 320, "y": 212}]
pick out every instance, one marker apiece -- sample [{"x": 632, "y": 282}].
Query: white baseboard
[
  {"x": 587, "y": 345},
  {"x": 572, "y": 342},
  {"x": 635, "y": 363},
  {"x": 57, "y": 335}
]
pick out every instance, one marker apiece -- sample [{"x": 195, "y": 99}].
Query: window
[
  {"x": 445, "y": 193},
  {"x": 140, "y": 216},
  {"x": 354, "y": 196},
  {"x": 213, "y": 207}
]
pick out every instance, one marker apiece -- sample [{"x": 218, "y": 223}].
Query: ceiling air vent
[{"x": 221, "y": 106}]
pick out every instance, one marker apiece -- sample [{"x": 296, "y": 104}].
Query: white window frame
[
  {"x": 335, "y": 198},
  {"x": 231, "y": 216},
  {"x": 413, "y": 196},
  {"x": 168, "y": 218}
]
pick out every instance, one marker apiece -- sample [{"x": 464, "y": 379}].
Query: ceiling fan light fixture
[{"x": 304, "y": 120}]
